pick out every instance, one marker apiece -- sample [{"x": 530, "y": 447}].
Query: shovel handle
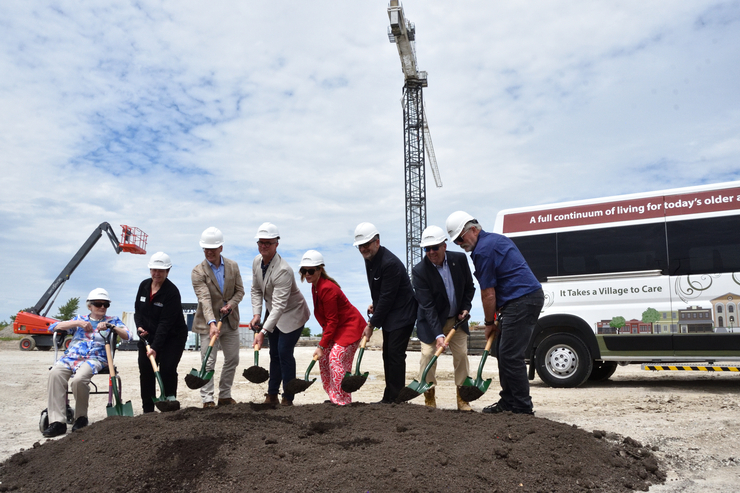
[
  {"x": 447, "y": 341},
  {"x": 111, "y": 368},
  {"x": 489, "y": 342},
  {"x": 213, "y": 339},
  {"x": 151, "y": 358},
  {"x": 310, "y": 366},
  {"x": 363, "y": 342}
]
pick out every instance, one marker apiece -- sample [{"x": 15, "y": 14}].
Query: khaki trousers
[
  {"x": 459, "y": 350},
  {"x": 59, "y": 377},
  {"x": 228, "y": 342}
]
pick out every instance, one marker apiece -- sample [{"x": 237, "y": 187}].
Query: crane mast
[{"x": 416, "y": 138}]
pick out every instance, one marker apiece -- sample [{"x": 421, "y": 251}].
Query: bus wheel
[
  {"x": 563, "y": 361},
  {"x": 602, "y": 370}
]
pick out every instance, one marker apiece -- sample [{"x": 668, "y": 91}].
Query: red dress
[{"x": 342, "y": 326}]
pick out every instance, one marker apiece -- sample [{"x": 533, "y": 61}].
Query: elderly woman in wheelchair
[{"x": 85, "y": 357}]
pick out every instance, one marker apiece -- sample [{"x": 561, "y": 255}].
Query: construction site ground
[{"x": 689, "y": 422}]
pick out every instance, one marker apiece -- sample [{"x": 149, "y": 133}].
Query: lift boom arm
[{"x": 72, "y": 265}]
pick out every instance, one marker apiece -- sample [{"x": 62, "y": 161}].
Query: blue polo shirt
[{"x": 500, "y": 265}]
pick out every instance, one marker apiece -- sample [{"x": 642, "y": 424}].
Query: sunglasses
[
  {"x": 459, "y": 239},
  {"x": 309, "y": 272},
  {"x": 266, "y": 243},
  {"x": 100, "y": 304},
  {"x": 431, "y": 248}
]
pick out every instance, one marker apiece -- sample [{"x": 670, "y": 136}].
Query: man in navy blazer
[{"x": 444, "y": 289}]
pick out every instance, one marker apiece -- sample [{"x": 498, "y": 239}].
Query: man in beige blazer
[
  {"x": 273, "y": 282},
  {"x": 218, "y": 285}
]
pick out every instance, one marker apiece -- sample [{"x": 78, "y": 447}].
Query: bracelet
[
  {"x": 321, "y": 347},
  {"x": 490, "y": 322}
]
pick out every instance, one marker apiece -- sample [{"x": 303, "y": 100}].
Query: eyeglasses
[
  {"x": 365, "y": 246},
  {"x": 459, "y": 239},
  {"x": 100, "y": 304},
  {"x": 309, "y": 272},
  {"x": 431, "y": 248},
  {"x": 266, "y": 243}
]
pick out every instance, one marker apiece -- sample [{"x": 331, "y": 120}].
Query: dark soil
[
  {"x": 323, "y": 447},
  {"x": 256, "y": 374}
]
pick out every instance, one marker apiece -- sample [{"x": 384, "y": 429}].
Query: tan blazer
[
  {"x": 279, "y": 291},
  {"x": 210, "y": 297}
]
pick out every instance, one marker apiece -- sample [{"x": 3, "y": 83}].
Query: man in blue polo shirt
[{"x": 508, "y": 288}]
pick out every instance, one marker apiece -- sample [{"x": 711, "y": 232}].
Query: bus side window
[{"x": 704, "y": 246}]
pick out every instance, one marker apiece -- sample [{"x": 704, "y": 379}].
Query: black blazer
[
  {"x": 162, "y": 317},
  {"x": 434, "y": 307},
  {"x": 394, "y": 304}
]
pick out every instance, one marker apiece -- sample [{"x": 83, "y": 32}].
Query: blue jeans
[
  {"x": 518, "y": 318},
  {"x": 282, "y": 361}
]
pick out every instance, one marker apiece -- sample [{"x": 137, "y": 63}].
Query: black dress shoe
[
  {"x": 55, "y": 429},
  {"x": 497, "y": 408},
  {"x": 80, "y": 422}
]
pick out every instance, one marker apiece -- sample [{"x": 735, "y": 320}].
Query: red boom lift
[{"x": 33, "y": 323}]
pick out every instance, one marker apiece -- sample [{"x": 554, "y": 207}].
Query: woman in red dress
[{"x": 341, "y": 322}]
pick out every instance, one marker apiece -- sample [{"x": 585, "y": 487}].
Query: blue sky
[{"x": 176, "y": 116}]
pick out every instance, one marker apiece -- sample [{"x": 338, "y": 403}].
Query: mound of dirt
[{"x": 323, "y": 447}]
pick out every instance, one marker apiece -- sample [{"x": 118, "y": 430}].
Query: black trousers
[
  {"x": 518, "y": 318},
  {"x": 395, "y": 343},
  {"x": 168, "y": 359}
]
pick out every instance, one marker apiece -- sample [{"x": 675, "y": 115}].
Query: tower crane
[{"x": 416, "y": 137}]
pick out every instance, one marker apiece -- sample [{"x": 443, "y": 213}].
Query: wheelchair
[{"x": 57, "y": 343}]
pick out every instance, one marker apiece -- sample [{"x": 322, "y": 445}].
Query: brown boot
[
  {"x": 429, "y": 399},
  {"x": 461, "y": 404},
  {"x": 271, "y": 399},
  {"x": 286, "y": 402}
]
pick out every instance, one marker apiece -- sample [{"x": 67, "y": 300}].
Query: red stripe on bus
[{"x": 624, "y": 210}]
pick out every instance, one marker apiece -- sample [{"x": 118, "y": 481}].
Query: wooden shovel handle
[
  {"x": 489, "y": 342},
  {"x": 363, "y": 342},
  {"x": 151, "y": 358},
  {"x": 213, "y": 339},
  {"x": 447, "y": 341},
  {"x": 108, "y": 355}
]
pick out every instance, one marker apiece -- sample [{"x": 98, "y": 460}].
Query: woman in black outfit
[{"x": 159, "y": 320}]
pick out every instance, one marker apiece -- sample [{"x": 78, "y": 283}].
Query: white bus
[{"x": 649, "y": 278}]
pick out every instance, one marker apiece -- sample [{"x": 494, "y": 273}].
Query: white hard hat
[
  {"x": 267, "y": 231},
  {"x": 433, "y": 235},
  {"x": 365, "y": 232},
  {"x": 456, "y": 222},
  {"x": 211, "y": 238},
  {"x": 312, "y": 258},
  {"x": 98, "y": 294},
  {"x": 160, "y": 260}
]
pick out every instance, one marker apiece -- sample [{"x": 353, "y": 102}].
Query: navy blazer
[{"x": 434, "y": 306}]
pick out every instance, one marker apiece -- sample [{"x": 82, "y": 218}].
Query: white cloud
[{"x": 176, "y": 116}]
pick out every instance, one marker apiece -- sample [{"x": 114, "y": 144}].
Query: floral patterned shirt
[{"x": 88, "y": 347}]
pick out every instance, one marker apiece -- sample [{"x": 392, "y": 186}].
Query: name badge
[{"x": 143, "y": 299}]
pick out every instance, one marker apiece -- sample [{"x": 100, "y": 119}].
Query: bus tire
[
  {"x": 563, "y": 361},
  {"x": 602, "y": 370}
]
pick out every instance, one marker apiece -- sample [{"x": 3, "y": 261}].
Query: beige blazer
[
  {"x": 210, "y": 297},
  {"x": 279, "y": 291}
]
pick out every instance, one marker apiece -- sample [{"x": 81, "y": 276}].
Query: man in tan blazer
[
  {"x": 273, "y": 282},
  {"x": 218, "y": 285}
]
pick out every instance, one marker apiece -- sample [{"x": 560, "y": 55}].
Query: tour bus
[{"x": 650, "y": 278}]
